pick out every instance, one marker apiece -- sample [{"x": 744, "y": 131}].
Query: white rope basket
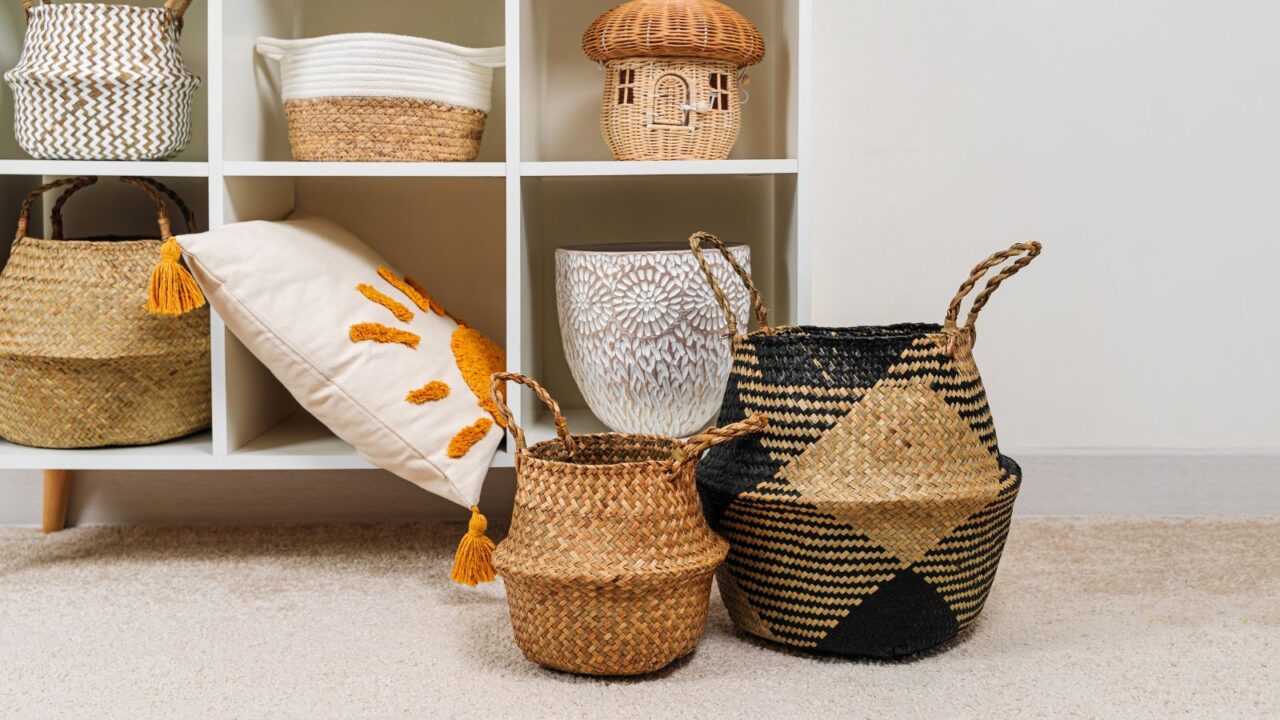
[{"x": 380, "y": 65}]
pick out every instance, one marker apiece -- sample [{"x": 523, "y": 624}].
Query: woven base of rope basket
[
  {"x": 869, "y": 517},
  {"x": 609, "y": 561},
  {"x": 84, "y": 364},
  {"x": 363, "y": 129}
]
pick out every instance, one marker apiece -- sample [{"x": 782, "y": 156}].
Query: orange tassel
[
  {"x": 172, "y": 290},
  {"x": 473, "y": 563}
]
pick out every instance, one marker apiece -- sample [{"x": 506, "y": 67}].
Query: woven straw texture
[
  {"x": 102, "y": 82},
  {"x": 869, "y": 517},
  {"x": 376, "y": 97},
  {"x": 609, "y": 561},
  {"x": 673, "y": 71},
  {"x": 84, "y": 363},
  {"x": 670, "y": 109},
  {"x": 674, "y": 28},
  {"x": 361, "y": 129}
]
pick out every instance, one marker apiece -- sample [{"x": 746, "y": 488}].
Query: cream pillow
[{"x": 361, "y": 347}]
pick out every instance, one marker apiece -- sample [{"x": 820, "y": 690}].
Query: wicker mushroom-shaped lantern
[{"x": 673, "y": 71}]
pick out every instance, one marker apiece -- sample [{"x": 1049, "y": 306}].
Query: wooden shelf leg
[{"x": 57, "y": 495}]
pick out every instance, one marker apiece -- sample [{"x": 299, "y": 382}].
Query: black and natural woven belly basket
[{"x": 869, "y": 517}]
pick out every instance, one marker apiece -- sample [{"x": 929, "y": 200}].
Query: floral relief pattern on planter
[{"x": 643, "y": 334}]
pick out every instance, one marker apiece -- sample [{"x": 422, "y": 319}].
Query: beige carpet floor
[{"x": 1088, "y": 619}]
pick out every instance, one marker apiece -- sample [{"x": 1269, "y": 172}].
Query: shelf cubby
[
  {"x": 480, "y": 235},
  {"x": 446, "y": 232},
  {"x": 561, "y": 89},
  {"x": 565, "y": 211}
]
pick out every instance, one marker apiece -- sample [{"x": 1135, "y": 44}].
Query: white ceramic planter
[{"x": 643, "y": 334}]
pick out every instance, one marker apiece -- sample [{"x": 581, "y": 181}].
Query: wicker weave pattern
[
  {"x": 657, "y": 126},
  {"x": 674, "y": 28},
  {"x": 102, "y": 82},
  {"x": 869, "y": 517},
  {"x": 609, "y": 562},
  {"x": 101, "y": 370},
  {"x": 362, "y": 129}
]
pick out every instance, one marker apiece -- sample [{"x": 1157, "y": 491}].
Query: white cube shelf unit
[{"x": 481, "y": 235}]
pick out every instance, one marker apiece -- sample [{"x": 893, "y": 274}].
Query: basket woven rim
[
  {"x": 532, "y": 452},
  {"x": 818, "y": 333},
  {"x": 67, "y": 7}
]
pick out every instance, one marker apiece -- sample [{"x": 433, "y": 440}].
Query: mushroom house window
[
  {"x": 627, "y": 87},
  {"x": 719, "y": 91}
]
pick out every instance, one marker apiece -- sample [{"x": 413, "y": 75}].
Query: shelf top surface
[
  {"x": 104, "y": 167},
  {"x": 395, "y": 169}
]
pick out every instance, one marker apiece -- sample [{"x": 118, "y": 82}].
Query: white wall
[{"x": 1136, "y": 140}]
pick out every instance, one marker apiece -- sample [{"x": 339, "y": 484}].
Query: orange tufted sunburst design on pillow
[
  {"x": 476, "y": 356},
  {"x": 365, "y": 350}
]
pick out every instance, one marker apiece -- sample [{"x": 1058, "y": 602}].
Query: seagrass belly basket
[
  {"x": 101, "y": 81},
  {"x": 869, "y": 517},
  {"x": 609, "y": 561},
  {"x": 84, "y": 362}
]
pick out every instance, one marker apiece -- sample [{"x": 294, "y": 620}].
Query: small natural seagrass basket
[
  {"x": 83, "y": 362},
  {"x": 608, "y": 563},
  {"x": 373, "y": 97}
]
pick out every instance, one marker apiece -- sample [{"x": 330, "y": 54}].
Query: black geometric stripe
[
  {"x": 956, "y": 380},
  {"x": 963, "y": 565},
  {"x": 805, "y": 387},
  {"x": 802, "y": 576},
  {"x": 801, "y": 570}
]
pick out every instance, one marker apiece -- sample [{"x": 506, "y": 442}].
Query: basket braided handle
[
  {"x": 24, "y": 213},
  {"x": 157, "y": 190},
  {"x": 704, "y": 441},
  {"x": 1024, "y": 252},
  {"x": 757, "y": 301},
  {"x": 496, "y": 384},
  {"x": 176, "y": 8}
]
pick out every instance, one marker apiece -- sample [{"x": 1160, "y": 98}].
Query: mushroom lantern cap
[{"x": 674, "y": 28}]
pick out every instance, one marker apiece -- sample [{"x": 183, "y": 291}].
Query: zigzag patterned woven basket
[
  {"x": 869, "y": 517},
  {"x": 609, "y": 562},
  {"x": 102, "y": 82}
]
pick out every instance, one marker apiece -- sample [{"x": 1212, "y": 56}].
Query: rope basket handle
[
  {"x": 176, "y": 8},
  {"x": 757, "y": 301},
  {"x": 704, "y": 441},
  {"x": 155, "y": 189},
  {"x": 1025, "y": 252},
  {"x": 562, "y": 427},
  {"x": 24, "y": 213}
]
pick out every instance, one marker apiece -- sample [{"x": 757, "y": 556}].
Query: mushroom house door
[{"x": 671, "y": 101}]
